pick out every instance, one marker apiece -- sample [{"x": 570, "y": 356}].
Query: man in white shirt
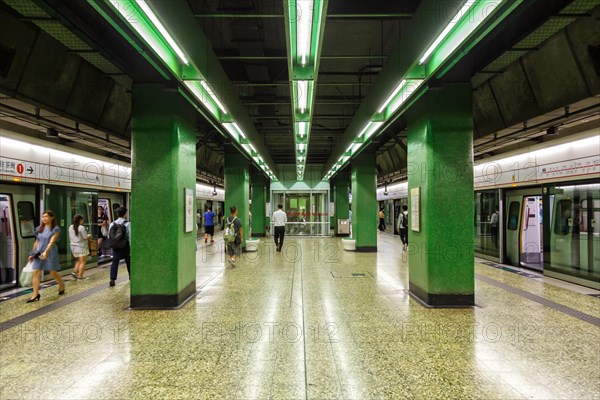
[{"x": 279, "y": 220}]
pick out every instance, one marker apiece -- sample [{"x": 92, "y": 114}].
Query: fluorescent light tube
[
  {"x": 302, "y": 93},
  {"x": 408, "y": 89},
  {"x": 301, "y": 147},
  {"x": 391, "y": 96},
  {"x": 302, "y": 129},
  {"x": 150, "y": 14},
  {"x": 442, "y": 36},
  {"x": 372, "y": 129},
  {"x": 213, "y": 96},
  {"x": 304, "y": 22}
]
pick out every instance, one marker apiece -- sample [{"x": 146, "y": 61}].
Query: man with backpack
[
  {"x": 403, "y": 226},
  {"x": 233, "y": 235},
  {"x": 119, "y": 237}
]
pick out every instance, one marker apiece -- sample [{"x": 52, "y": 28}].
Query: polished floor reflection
[{"x": 312, "y": 322}]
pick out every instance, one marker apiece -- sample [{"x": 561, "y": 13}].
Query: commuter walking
[
  {"x": 119, "y": 237},
  {"x": 78, "y": 237},
  {"x": 235, "y": 231},
  {"x": 279, "y": 220},
  {"x": 209, "y": 225},
  {"x": 403, "y": 226},
  {"x": 381, "y": 220},
  {"x": 45, "y": 254}
]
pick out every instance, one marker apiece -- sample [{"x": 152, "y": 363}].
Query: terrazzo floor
[{"x": 312, "y": 322}]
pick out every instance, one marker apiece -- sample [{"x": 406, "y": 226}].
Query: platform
[{"x": 312, "y": 322}]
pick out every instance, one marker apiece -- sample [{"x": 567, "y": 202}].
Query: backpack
[
  {"x": 404, "y": 220},
  {"x": 117, "y": 236},
  {"x": 230, "y": 233}
]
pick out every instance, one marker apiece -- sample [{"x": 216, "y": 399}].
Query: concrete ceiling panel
[
  {"x": 89, "y": 94},
  {"x": 583, "y": 34},
  {"x": 555, "y": 78},
  {"x": 486, "y": 115},
  {"x": 118, "y": 110},
  {"x": 50, "y": 73},
  {"x": 514, "y": 95},
  {"x": 18, "y": 38}
]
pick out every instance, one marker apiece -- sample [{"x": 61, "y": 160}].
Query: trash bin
[{"x": 343, "y": 226}]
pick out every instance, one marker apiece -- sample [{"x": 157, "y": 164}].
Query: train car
[
  {"x": 547, "y": 204},
  {"x": 37, "y": 175}
]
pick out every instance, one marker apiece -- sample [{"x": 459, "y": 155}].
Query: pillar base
[
  {"x": 163, "y": 301},
  {"x": 431, "y": 300},
  {"x": 366, "y": 249}
]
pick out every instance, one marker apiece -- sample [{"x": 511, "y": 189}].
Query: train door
[
  {"x": 531, "y": 254},
  {"x": 524, "y": 234},
  {"x": 8, "y": 244}
]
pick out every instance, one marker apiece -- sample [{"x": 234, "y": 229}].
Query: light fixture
[
  {"x": 406, "y": 91},
  {"x": 150, "y": 14},
  {"x": 302, "y": 93},
  {"x": 301, "y": 147},
  {"x": 391, "y": 96},
  {"x": 302, "y": 129},
  {"x": 304, "y": 22},
  {"x": 552, "y": 131},
  {"x": 51, "y": 133},
  {"x": 200, "y": 94},
  {"x": 465, "y": 8},
  {"x": 214, "y": 193},
  {"x": 213, "y": 96},
  {"x": 385, "y": 192},
  {"x": 234, "y": 130}
]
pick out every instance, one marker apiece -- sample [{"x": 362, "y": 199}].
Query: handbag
[
  {"x": 26, "y": 275},
  {"x": 104, "y": 230}
]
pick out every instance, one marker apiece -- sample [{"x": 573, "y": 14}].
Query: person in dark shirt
[{"x": 234, "y": 248}]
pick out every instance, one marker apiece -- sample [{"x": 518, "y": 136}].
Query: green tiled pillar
[
  {"x": 237, "y": 187},
  {"x": 341, "y": 197},
  {"x": 260, "y": 185},
  {"x": 440, "y": 166},
  {"x": 364, "y": 202},
  {"x": 163, "y": 147}
]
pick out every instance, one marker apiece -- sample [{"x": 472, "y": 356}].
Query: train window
[
  {"x": 513, "y": 216},
  {"x": 563, "y": 220},
  {"x": 26, "y": 218}
]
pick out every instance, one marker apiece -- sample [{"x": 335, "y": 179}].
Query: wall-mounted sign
[
  {"x": 415, "y": 203},
  {"x": 189, "y": 210}
]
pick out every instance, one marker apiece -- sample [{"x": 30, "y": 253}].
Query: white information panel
[
  {"x": 268, "y": 210},
  {"x": 415, "y": 202},
  {"x": 189, "y": 210}
]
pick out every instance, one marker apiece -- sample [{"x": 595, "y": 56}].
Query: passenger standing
[
  {"x": 102, "y": 229},
  {"x": 494, "y": 227},
  {"x": 381, "y": 220},
  {"x": 45, "y": 254},
  {"x": 209, "y": 225},
  {"x": 78, "y": 237},
  {"x": 279, "y": 220},
  {"x": 221, "y": 219},
  {"x": 234, "y": 248},
  {"x": 119, "y": 237},
  {"x": 403, "y": 226},
  {"x": 198, "y": 221}
]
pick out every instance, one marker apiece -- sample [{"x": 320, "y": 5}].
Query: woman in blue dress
[{"x": 45, "y": 254}]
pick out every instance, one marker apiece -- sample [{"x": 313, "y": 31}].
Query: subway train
[
  {"x": 36, "y": 175},
  {"x": 548, "y": 208}
]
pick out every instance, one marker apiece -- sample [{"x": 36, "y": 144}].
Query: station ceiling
[{"x": 248, "y": 38}]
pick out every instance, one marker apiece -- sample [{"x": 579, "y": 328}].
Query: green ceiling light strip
[
  {"x": 305, "y": 22},
  {"x": 142, "y": 19},
  {"x": 471, "y": 15}
]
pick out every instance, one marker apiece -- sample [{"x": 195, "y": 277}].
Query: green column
[
  {"x": 440, "y": 166},
  {"x": 341, "y": 197},
  {"x": 260, "y": 185},
  {"x": 163, "y": 147},
  {"x": 237, "y": 187},
  {"x": 364, "y": 202}
]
